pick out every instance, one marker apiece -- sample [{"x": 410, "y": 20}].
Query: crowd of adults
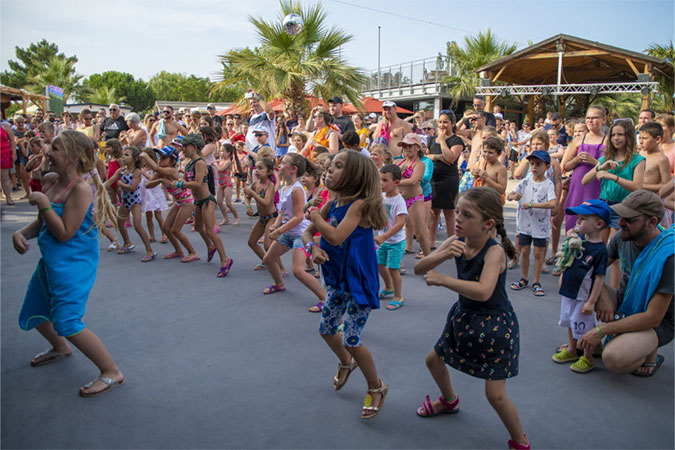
[{"x": 636, "y": 180}]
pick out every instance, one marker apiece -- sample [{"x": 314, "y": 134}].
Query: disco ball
[{"x": 293, "y": 24}]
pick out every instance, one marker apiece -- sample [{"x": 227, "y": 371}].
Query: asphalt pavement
[{"x": 214, "y": 363}]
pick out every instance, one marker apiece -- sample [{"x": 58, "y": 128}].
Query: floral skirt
[{"x": 482, "y": 345}]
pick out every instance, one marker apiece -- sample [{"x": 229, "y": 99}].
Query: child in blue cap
[{"x": 582, "y": 282}]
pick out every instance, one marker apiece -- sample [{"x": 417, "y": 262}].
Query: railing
[{"x": 405, "y": 76}]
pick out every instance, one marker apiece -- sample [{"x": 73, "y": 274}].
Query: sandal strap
[
  {"x": 428, "y": 407},
  {"x": 379, "y": 390},
  {"x": 449, "y": 405}
]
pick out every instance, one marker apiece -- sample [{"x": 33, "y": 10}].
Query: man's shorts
[
  {"x": 571, "y": 317},
  {"x": 525, "y": 240},
  {"x": 391, "y": 255}
]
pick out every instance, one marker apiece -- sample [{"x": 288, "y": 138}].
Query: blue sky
[{"x": 143, "y": 38}]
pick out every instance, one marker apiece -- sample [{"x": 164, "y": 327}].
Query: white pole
[{"x": 379, "y": 72}]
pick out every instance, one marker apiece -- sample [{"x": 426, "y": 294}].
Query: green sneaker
[
  {"x": 582, "y": 366},
  {"x": 564, "y": 356}
]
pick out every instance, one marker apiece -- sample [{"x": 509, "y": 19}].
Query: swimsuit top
[
  {"x": 190, "y": 171},
  {"x": 311, "y": 194},
  {"x": 409, "y": 170},
  {"x": 263, "y": 188},
  {"x": 383, "y": 137},
  {"x": 127, "y": 179}
]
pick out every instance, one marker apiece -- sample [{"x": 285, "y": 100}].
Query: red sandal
[{"x": 427, "y": 409}]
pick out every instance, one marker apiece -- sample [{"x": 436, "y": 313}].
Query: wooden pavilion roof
[{"x": 583, "y": 62}]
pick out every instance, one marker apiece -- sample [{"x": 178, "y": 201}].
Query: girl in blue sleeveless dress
[
  {"x": 67, "y": 229},
  {"x": 481, "y": 335},
  {"x": 347, "y": 252}
]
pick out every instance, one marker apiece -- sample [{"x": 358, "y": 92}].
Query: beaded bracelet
[{"x": 307, "y": 249}]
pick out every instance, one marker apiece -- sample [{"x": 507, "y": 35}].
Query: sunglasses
[
  {"x": 427, "y": 129},
  {"x": 166, "y": 112},
  {"x": 630, "y": 220},
  {"x": 628, "y": 120},
  {"x": 473, "y": 119},
  {"x": 258, "y": 134},
  {"x": 229, "y": 124},
  {"x": 237, "y": 117},
  {"x": 114, "y": 109}
]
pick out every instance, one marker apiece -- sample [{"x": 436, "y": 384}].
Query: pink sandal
[
  {"x": 427, "y": 409},
  {"x": 518, "y": 446}
]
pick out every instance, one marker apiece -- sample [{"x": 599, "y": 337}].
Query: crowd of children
[{"x": 344, "y": 215}]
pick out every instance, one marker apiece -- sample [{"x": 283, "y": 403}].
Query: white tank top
[{"x": 286, "y": 207}]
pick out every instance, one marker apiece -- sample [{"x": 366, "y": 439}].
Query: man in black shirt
[
  {"x": 344, "y": 123},
  {"x": 217, "y": 120},
  {"x": 112, "y": 126}
]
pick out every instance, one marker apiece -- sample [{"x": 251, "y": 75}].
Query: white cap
[
  {"x": 388, "y": 104},
  {"x": 372, "y": 116},
  {"x": 499, "y": 116}
]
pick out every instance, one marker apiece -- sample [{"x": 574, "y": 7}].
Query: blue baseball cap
[
  {"x": 593, "y": 207},
  {"x": 541, "y": 155},
  {"x": 167, "y": 151}
]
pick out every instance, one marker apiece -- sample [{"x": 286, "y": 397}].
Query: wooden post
[
  {"x": 561, "y": 99},
  {"x": 488, "y": 103},
  {"x": 530, "y": 110},
  {"x": 646, "y": 97}
]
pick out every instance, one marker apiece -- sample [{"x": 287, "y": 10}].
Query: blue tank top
[
  {"x": 352, "y": 265},
  {"x": 470, "y": 270}
]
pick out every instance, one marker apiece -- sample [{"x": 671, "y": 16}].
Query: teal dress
[{"x": 59, "y": 288}]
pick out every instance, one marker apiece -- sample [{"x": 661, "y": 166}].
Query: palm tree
[
  {"x": 477, "y": 51},
  {"x": 104, "y": 95},
  {"x": 59, "y": 71},
  {"x": 666, "y": 87},
  {"x": 293, "y": 66}
]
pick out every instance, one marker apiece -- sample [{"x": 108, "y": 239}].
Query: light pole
[{"x": 379, "y": 73}]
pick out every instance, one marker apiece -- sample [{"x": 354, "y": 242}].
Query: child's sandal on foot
[
  {"x": 521, "y": 284},
  {"x": 395, "y": 304},
  {"x": 368, "y": 401},
  {"x": 427, "y": 408},
  {"x": 538, "y": 290},
  {"x": 513, "y": 445},
  {"x": 273, "y": 288},
  {"x": 339, "y": 384}
]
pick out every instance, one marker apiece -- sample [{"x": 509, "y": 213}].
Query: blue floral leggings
[{"x": 337, "y": 303}]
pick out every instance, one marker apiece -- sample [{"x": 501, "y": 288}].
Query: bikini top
[
  {"x": 263, "y": 188},
  {"x": 409, "y": 170},
  {"x": 60, "y": 199},
  {"x": 190, "y": 171}
]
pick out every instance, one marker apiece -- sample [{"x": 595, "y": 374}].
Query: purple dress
[{"x": 578, "y": 192}]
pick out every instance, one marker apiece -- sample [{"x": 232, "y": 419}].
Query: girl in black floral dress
[{"x": 481, "y": 335}]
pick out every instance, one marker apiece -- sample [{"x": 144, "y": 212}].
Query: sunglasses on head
[{"x": 628, "y": 120}]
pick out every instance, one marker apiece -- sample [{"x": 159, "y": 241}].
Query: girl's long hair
[
  {"x": 629, "y": 134},
  {"x": 489, "y": 205},
  {"x": 361, "y": 180},
  {"x": 82, "y": 150}
]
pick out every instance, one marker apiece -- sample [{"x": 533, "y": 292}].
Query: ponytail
[
  {"x": 104, "y": 207},
  {"x": 506, "y": 242}
]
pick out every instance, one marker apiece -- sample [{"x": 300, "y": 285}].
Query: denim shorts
[
  {"x": 291, "y": 241},
  {"x": 391, "y": 255},
  {"x": 337, "y": 303}
]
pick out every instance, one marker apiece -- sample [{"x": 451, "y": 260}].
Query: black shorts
[
  {"x": 513, "y": 155},
  {"x": 525, "y": 240}
]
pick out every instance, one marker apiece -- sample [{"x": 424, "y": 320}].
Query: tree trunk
[{"x": 295, "y": 99}]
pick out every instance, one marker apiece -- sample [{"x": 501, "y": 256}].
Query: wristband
[
  {"x": 307, "y": 249},
  {"x": 40, "y": 211},
  {"x": 617, "y": 178},
  {"x": 311, "y": 210},
  {"x": 529, "y": 205},
  {"x": 597, "y": 327}
]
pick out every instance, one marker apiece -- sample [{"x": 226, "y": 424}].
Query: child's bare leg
[
  {"x": 409, "y": 244},
  {"x": 539, "y": 259},
  {"x": 182, "y": 215},
  {"x": 495, "y": 391},
  {"x": 272, "y": 259},
  {"x": 160, "y": 222},
  {"x": 439, "y": 372},
  {"x": 571, "y": 342},
  {"x": 209, "y": 218},
  {"x": 230, "y": 205},
  {"x": 386, "y": 277},
  {"x": 397, "y": 281},
  {"x": 123, "y": 216},
  {"x": 257, "y": 230},
  {"x": 298, "y": 265},
  {"x": 59, "y": 344},
  {"x": 151, "y": 226},
  {"x": 108, "y": 234},
  {"x": 199, "y": 226},
  {"x": 416, "y": 216},
  {"x": 219, "y": 202},
  {"x": 92, "y": 347},
  {"x": 138, "y": 226},
  {"x": 167, "y": 229},
  {"x": 525, "y": 261}
]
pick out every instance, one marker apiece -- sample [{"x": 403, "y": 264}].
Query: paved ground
[{"x": 213, "y": 363}]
